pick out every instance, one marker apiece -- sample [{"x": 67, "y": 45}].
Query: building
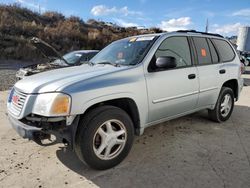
[{"x": 243, "y": 41}]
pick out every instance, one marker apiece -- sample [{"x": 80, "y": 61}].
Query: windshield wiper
[{"x": 108, "y": 63}]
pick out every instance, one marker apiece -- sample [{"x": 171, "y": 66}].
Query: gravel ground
[
  {"x": 7, "y": 79},
  {"x": 190, "y": 152},
  {"x": 8, "y": 70}
]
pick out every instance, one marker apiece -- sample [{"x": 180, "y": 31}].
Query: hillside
[{"x": 18, "y": 24}]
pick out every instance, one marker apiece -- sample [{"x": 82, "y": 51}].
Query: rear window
[
  {"x": 202, "y": 50},
  {"x": 225, "y": 50}
]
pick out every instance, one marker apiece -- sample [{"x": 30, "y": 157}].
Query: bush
[{"x": 18, "y": 25}]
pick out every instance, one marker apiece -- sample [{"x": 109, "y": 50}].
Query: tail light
[{"x": 242, "y": 68}]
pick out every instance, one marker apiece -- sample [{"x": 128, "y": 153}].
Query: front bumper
[
  {"x": 63, "y": 135},
  {"x": 25, "y": 131}
]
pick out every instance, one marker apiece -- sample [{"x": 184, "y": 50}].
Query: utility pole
[
  {"x": 39, "y": 9},
  {"x": 206, "y": 30}
]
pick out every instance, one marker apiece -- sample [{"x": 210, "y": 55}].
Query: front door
[{"x": 174, "y": 91}]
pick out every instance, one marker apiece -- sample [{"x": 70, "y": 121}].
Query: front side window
[
  {"x": 176, "y": 47},
  {"x": 225, "y": 50},
  {"x": 87, "y": 56},
  {"x": 91, "y": 55},
  {"x": 84, "y": 57},
  {"x": 202, "y": 50}
]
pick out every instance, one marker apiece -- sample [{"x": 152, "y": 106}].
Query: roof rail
[{"x": 204, "y": 33}]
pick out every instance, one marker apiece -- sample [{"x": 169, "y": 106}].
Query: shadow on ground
[
  {"x": 190, "y": 151},
  {"x": 246, "y": 82},
  {"x": 247, "y": 71}
]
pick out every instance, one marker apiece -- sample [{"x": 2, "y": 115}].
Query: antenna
[{"x": 206, "y": 30}]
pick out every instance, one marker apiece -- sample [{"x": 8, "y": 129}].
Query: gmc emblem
[{"x": 15, "y": 99}]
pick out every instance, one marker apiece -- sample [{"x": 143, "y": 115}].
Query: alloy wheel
[
  {"x": 109, "y": 139},
  {"x": 226, "y": 105}
]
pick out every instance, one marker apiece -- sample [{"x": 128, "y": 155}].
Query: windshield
[
  {"x": 71, "y": 58},
  {"x": 125, "y": 52}
]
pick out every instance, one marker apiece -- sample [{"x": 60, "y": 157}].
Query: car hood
[
  {"x": 47, "y": 50},
  {"x": 55, "y": 80}
]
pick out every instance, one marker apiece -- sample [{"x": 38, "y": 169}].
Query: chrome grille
[{"x": 17, "y": 100}]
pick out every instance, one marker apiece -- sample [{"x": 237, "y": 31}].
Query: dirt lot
[
  {"x": 188, "y": 152},
  {"x": 8, "y": 69}
]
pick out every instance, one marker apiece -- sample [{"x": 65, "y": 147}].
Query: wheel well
[
  {"x": 233, "y": 84},
  {"x": 128, "y": 105}
]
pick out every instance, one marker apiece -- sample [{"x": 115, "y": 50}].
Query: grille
[{"x": 17, "y": 100}]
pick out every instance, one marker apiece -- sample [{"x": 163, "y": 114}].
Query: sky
[{"x": 224, "y": 17}]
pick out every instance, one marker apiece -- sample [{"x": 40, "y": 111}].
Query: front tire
[
  {"x": 224, "y": 106},
  {"x": 105, "y": 137}
]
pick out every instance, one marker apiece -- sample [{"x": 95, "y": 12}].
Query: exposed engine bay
[
  {"x": 55, "y": 59},
  {"x": 34, "y": 69}
]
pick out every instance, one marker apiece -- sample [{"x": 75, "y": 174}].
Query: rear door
[
  {"x": 211, "y": 71},
  {"x": 174, "y": 91}
]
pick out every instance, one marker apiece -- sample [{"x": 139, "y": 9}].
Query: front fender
[
  {"x": 108, "y": 97},
  {"x": 141, "y": 105}
]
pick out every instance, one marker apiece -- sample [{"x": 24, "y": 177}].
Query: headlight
[{"x": 52, "y": 104}]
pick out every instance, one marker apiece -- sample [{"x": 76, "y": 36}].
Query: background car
[
  {"x": 55, "y": 59},
  {"x": 243, "y": 60},
  {"x": 243, "y": 68},
  {"x": 246, "y": 55}
]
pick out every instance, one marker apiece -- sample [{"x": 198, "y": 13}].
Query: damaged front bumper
[
  {"x": 25, "y": 131},
  {"x": 65, "y": 133}
]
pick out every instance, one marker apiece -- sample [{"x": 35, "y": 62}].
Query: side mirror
[{"x": 166, "y": 62}]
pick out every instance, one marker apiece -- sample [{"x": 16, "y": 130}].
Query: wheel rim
[
  {"x": 109, "y": 139},
  {"x": 226, "y": 105}
]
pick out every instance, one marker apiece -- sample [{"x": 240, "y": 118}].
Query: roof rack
[{"x": 204, "y": 33}]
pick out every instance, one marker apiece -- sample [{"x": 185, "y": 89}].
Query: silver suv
[{"x": 97, "y": 108}]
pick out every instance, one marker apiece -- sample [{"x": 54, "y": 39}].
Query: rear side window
[
  {"x": 215, "y": 57},
  {"x": 202, "y": 50},
  {"x": 225, "y": 50}
]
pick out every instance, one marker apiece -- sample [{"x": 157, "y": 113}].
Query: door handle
[
  {"x": 222, "y": 71},
  {"x": 191, "y": 76}
]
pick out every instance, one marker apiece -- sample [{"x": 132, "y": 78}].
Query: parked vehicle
[
  {"x": 98, "y": 108},
  {"x": 246, "y": 55},
  {"x": 243, "y": 68},
  {"x": 244, "y": 62},
  {"x": 56, "y": 61}
]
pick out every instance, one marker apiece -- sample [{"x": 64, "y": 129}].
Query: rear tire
[
  {"x": 105, "y": 137},
  {"x": 224, "y": 106}
]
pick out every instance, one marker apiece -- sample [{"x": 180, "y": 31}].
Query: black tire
[
  {"x": 216, "y": 114},
  {"x": 88, "y": 127}
]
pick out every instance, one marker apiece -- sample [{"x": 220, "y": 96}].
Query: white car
[{"x": 56, "y": 61}]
